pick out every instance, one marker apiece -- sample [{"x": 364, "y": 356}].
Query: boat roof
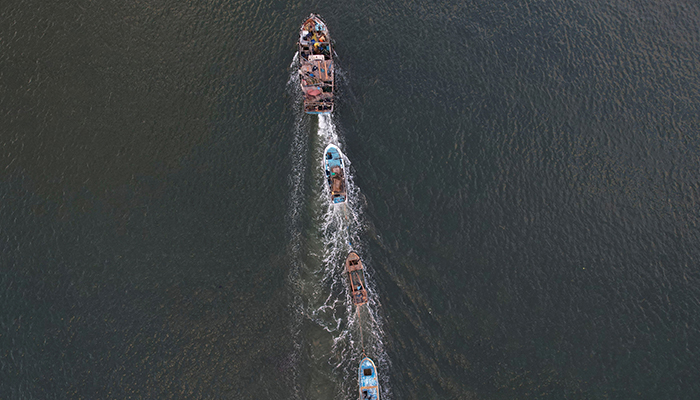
[
  {"x": 336, "y": 159},
  {"x": 352, "y": 257},
  {"x": 338, "y": 199}
]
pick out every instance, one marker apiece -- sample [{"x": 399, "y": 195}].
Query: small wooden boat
[
  {"x": 356, "y": 277},
  {"x": 316, "y": 71},
  {"x": 369, "y": 383},
  {"x": 335, "y": 173}
]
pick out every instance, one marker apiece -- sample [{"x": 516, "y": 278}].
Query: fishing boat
[
  {"x": 356, "y": 277},
  {"x": 335, "y": 173},
  {"x": 369, "y": 383},
  {"x": 316, "y": 69}
]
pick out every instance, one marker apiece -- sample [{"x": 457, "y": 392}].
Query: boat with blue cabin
[
  {"x": 356, "y": 278},
  {"x": 316, "y": 70},
  {"x": 335, "y": 173},
  {"x": 369, "y": 382}
]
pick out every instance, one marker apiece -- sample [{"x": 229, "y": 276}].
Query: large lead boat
[{"x": 316, "y": 69}]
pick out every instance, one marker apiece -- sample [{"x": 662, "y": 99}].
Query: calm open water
[{"x": 524, "y": 193}]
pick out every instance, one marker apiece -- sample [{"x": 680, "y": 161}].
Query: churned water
[{"x": 524, "y": 193}]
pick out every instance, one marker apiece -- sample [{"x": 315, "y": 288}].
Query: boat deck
[
  {"x": 316, "y": 69},
  {"x": 317, "y": 72}
]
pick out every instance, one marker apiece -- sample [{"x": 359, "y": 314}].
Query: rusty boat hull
[{"x": 356, "y": 279}]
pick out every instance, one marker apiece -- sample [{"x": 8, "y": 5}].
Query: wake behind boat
[
  {"x": 356, "y": 277},
  {"x": 335, "y": 173},
  {"x": 369, "y": 382},
  {"x": 316, "y": 69}
]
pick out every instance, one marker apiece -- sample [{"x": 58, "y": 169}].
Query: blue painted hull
[
  {"x": 318, "y": 112},
  {"x": 369, "y": 381},
  {"x": 334, "y": 167}
]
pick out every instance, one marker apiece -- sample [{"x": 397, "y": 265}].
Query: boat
[
  {"x": 335, "y": 173},
  {"x": 356, "y": 277},
  {"x": 316, "y": 70},
  {"x": 369, "y": 383}
]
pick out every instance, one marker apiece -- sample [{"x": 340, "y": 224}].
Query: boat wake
[
  {"x": 330, "y": 337},
  {"x": 342, "y": 228},
  {"x": 293, "y": 218}
]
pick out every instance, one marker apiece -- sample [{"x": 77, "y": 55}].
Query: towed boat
[
  {"x": 335, "y": 173},
  {"x": 316, "y": 71},
  {"x": 356, "y": 277},
  {"x": 369, "y": 383}
]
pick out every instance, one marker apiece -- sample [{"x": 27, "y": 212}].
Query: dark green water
[{"x": 525, "y": 195}]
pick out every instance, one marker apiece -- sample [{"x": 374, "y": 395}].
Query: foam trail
[
  {"x": 294, "y": 66},
  {"x": 298, "y": 156},
  {"x": 298, "y": 153},
  {"x": 327, "y": 130},
  {"x": 342, "y": 228},
  {"x": 320, "y": 236}
]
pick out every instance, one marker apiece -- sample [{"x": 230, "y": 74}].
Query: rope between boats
[
  {"x": 362, "y": 338},
  {"x": 347, "y": 226},
  {"x": 359, "y": 317}
]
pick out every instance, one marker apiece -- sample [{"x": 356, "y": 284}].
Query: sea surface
[{"x": 524, "y": 193}]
